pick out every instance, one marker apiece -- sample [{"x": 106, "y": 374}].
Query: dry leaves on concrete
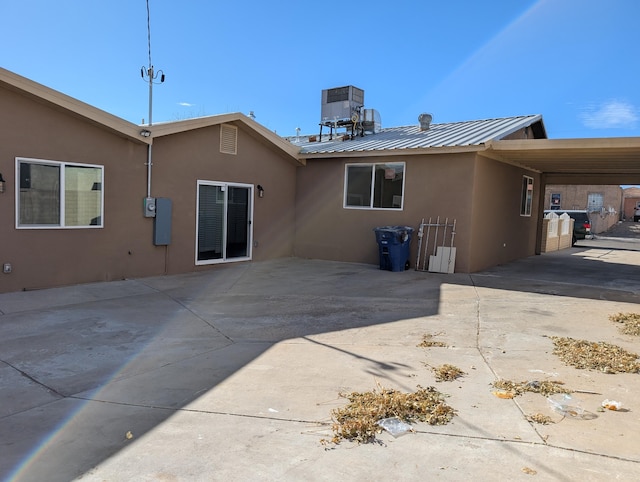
[
  {"x": 428, "y": 341},
  {"x": 600, "y": 356},
  {"x": 545, "y": 387},
  {"x": 447, "y": 373},
  {"x": 539, "y": 418},
  {"x": 630, "y": 322},
  {"x": 358, "y": 420}
]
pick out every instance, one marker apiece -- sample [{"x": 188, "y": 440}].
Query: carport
[{"x": 571, "y": 161}]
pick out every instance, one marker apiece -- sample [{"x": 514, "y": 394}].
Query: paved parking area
[{"x": 232, "y": 374}]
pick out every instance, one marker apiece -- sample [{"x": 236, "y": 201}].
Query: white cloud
[
  {"x": 613, "y": 114},
  {"x": 185, "y": 104}
]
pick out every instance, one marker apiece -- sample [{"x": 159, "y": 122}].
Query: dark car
[{"x": 581, "y": 226}]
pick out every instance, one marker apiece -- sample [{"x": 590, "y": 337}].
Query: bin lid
[{"x": 394, "y": 228}]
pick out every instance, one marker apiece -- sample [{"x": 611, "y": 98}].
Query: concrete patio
[{"x": 232, "y": 374}]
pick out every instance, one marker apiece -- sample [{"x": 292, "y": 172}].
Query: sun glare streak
[
  {"x": 458, "y": 79},
  {"x": 135, "y": 365}
]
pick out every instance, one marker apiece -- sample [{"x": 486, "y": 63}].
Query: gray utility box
[
  {"x": 340, "y": 103},
  {"x": 162, "y": 222}
]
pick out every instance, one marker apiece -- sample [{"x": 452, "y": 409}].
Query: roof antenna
[{"x": 149, "y": 74}]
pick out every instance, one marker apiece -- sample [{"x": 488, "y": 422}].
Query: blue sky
[{"x": 576, "y": 62}]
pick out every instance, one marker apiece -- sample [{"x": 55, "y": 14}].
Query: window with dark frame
[{"x": 526, "y": 200}]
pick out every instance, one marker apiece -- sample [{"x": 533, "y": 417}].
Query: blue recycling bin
[{"x": 393, "y": 247}]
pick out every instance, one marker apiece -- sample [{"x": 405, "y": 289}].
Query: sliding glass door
[{"x": 223, "y": 228}]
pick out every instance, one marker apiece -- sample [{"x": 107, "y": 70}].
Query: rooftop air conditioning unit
[{"x": 340, "y": 104}]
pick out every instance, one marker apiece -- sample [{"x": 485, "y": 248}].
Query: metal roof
[{"x": 453, "y": 134}]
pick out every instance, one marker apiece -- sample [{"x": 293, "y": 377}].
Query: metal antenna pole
[
  {"x": 150, "y": 71},
  {"x": 151, "y": 75}
]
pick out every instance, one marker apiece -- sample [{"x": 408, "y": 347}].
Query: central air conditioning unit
[{"x": 341, "y": 104}]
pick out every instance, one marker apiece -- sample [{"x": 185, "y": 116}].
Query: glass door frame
[{"x": 225, "y": 186}]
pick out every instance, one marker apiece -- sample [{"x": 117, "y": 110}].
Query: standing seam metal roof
[{"x": 454, "y": 134}]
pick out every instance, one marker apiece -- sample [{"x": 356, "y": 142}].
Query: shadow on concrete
[
  {"x": 83, "y": 366},
  {"x": 593, "y": 270}
]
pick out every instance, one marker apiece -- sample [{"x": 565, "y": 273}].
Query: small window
[
  {"x": 54, "y": 194},
  {"x": 527, "y": 196},
  {"x": 228, "y": 139},
  {"x": 595, "y": 201},
  {"x": 374, "y": 186}
]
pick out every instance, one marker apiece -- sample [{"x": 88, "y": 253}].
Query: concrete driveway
[{"x": 232, "y": 374}]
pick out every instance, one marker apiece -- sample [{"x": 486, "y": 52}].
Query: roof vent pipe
[{"x": 425, "y": 121}]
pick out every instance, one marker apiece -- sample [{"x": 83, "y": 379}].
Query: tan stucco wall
[
  {"x": 180, "y": 160},
  {"x": 124, "y": 248},
  {"x": 499, "y": 233},
  {"x": 434, "y": 186},
  {"x": 54, "y": 257}
]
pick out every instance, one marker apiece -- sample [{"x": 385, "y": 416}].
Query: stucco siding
[
  {"x": 499, "y": 233},
  {"x": 180, "y": 160},
  {"x": 435, "y": 185},
  {"x": 53, "y": 256},
  {"x": 124, "y": 246}
]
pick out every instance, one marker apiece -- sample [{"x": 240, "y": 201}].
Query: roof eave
[
  {"x": 535, "y": 122},
  {"x": 74, "y": 106},
  {"x": 415, "y": 151},
  {"x": 236, "y": 118}
]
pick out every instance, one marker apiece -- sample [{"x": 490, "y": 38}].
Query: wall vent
[{"x": 228, "y": 139}]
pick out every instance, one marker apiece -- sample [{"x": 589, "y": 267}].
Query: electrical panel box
[
  {"x": 149, "y": 206},
  {"x": 162, "y": 222},
  {"x": 341, "y": 103}
]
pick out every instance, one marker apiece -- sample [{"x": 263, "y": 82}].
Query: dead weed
[
  {"x": 428, "y": 341},
  {"x": 540, "y": 418},
  {"x": 357, "y": 421},
  {"x": 447, "y": 373},
  {"x": 545, "y": 388},
  {"x": 630, "y": 323},
  {"x": 600, "y": 356}
]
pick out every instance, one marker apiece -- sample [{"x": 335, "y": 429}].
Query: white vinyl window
[
  {"x": 51, "y": 194},
  {"x": 527, "y": 196},
  {"x": 374, "y": 186}
]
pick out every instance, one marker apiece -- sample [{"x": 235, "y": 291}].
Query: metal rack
[{"x": 436, "y": 238}]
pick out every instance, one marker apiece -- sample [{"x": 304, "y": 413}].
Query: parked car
[{"x": 581, "y": 226}]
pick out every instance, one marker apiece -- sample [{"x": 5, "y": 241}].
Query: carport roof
[{"x": 611, "y": 160}]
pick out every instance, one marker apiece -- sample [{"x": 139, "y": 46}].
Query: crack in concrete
[{"x": 33, "y": 379}]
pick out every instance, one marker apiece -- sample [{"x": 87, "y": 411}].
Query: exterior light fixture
[
  {"x": 145, "y": 133},
  {"x": 260, "y": 191},
  {"x": 1, "y": 183}
]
